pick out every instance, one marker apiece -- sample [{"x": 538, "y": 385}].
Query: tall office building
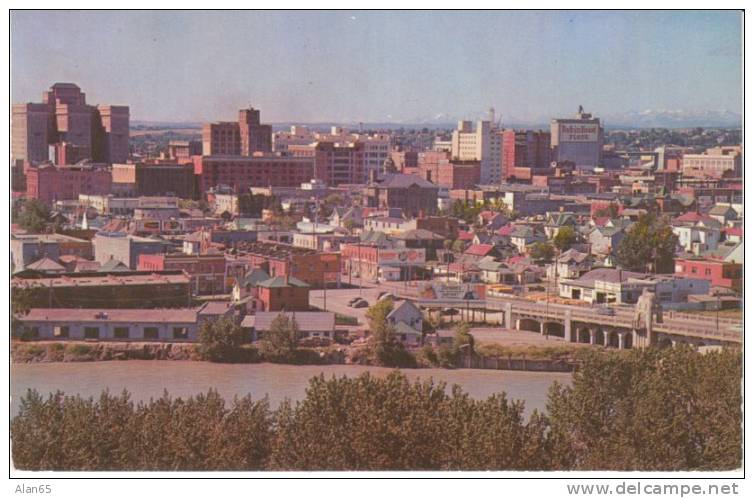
[
  {"x": 483, "y": 144},
  {"x": 525, "y": 149},
  {"x": 242, "y": 138},
  {"x": 578, "y": 140},
  {"x": 63, "y": 126}
]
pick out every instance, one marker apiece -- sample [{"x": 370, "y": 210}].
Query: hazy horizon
[{"x": 386, "y": 67}]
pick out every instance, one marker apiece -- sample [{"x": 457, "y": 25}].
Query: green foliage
[
  {"x": 542, "y": 251},
  {"x": 78, "y": 349},
  {"x": 649, "y": 245},
  {"x": 565, "y": 238},
  {"x": 385, "y": 348},
  {"x": 32, "y": 215},
  {"x": 111, "y": 433},
  {"x": 611, "y": 211},
  {"x": 367, "y": 423},
  {"x": 467, "y": 211},
  {"x": 254, "y": 204},
  {"x": 462, "y": 337},
  {"x": 672, "y": 409},
  {"x": 654, "y": 410},
  {"x": 458, "y": 246},
  {"x": 281, "y": 341},
  {"x": 220, "y": 340}
]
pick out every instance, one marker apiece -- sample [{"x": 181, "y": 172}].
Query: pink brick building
[
  {"x": 49, "y": 183},
  {"x": 242, "y": 172}
]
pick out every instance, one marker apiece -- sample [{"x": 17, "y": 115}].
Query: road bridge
[{"x": 586, "y": 325}]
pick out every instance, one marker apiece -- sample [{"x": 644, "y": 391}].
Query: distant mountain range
[
  {"x": 632, "y": 119},
  {"x": 674, "y": 119}
]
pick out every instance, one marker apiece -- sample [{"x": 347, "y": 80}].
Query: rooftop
[{"x": 307, "y": 321}]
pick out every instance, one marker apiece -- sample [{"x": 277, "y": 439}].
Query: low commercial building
[
  {"x": 719, "y": 273},
  {"x": 121, "y": 289},
  {"x": 28, "y": 248},
  {"x": 412, "y": 194},
  {"x": 283, "y": 293},
  {"x": 607, "y": 285},
  {"x": 208, "y": 272},
  {"x": 49, "y": 183},
  {"x": 110, "y": 324},
  {"x": 389, "y": 262},
  {"x": 125, "y": 248},
  {"x": 313, "y": 267},
  {"x": 311, "y": 324}
]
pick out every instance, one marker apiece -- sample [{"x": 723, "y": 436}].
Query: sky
[{"x": 362, "y": 66}]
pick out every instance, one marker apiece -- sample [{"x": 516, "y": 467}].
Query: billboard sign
[
  {"x": 401, "y": 257},
  {"x": 579, "y": 132}
]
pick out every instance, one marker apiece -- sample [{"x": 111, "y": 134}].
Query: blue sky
[{"x": 382, "y": 66}]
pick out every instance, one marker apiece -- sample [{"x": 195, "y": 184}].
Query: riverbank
[{"x": 529, "y": 359}]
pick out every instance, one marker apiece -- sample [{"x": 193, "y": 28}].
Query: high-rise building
[
  {"x": 71, "y": 128},
  {"x": 335, "y": 163},
  {"x": 241, "y": 138},
  {"x": 578, "y": 140},
  {"x": 483, "y": 144},
  {"x": 524, "y": 149}
]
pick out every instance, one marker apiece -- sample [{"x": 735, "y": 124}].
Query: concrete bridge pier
[
  {"x": 621, "y": 340},
  {"x": 569, "y": 336},
  {"x": 542, "y": 328},
  {"x": 592, "y": 336},
  {"x": 508, "y": 316}
]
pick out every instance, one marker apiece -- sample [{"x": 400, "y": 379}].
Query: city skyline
[{"x": 437, "y": 67}]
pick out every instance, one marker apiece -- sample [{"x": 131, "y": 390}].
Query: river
[{"x": 148, "y": 379}]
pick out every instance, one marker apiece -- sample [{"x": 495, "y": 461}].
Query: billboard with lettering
[
  {"x": 579, "y": 132},
  {"x": 401, "y": 257}
]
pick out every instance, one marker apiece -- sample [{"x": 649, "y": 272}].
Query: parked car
[
  {"x": 386, "y": 295},
  {"x": 361, "y": 303},
  {"x": 353, "y": 300}
]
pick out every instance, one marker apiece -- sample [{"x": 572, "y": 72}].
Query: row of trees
[
  {"x": 224, "y": 341},
  {"x": 672, "y": 409}
]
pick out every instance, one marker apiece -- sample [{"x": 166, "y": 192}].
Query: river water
[{"x": 148, "y": 379}]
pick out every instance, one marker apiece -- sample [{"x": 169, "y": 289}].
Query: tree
[
  {"x": 33, "y": 216},
  {"x": 385, "y": 348},
  {"x": 671, "y": 409},
  {"x": 281, "y": 341},
  {"x": 565, "y": 238},
  {"x": 220, "y": 340},
  {"x": 611, "y": 211},
  {"x": 462, "y": 336},
  {"x": 458, "y": 246},
  {"x": 542, "y": 251},
  {"x": 649, "y": 246}
]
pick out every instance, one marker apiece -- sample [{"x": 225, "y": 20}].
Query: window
[
  {"x": 31, "y": 332},
  {"x": 180, "y": 333},
  {"x": 91, "y": 332},
  {"x": 707, "y": 271},
  {"x": 151, "y": 333},
  {"x": 60, "y": 332},
  {"x": 121, "y": 332}
]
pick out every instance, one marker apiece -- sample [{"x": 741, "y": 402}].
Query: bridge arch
[
  {"x": 599, "y": 337},
  {"x": 555, "y": 329},
  {"x": 612, "y": 340},
  {"x": 628, "y": 340},
  {"x": 528, "y": 324},
  {"x": 583, "y": 335}
]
